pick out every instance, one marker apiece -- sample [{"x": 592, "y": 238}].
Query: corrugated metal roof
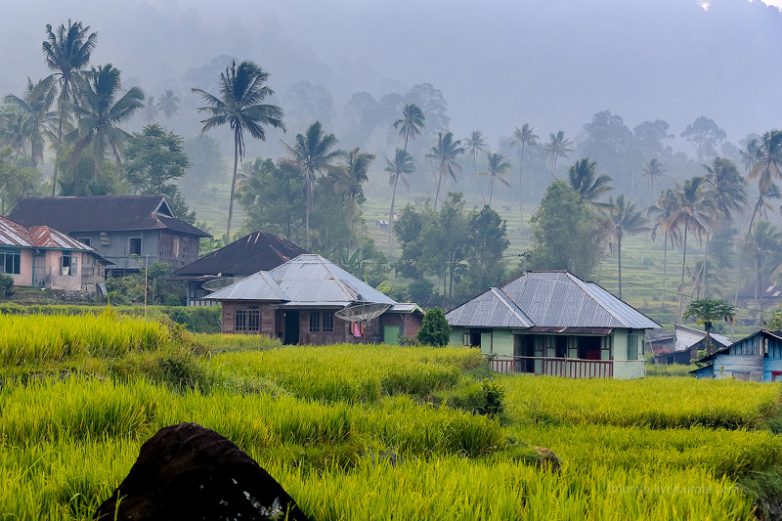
[
  {"x": 45, "y": 237},
  {"x": 492, "y": 308},
  {"x": 687, "y": 337},
  {"x": 307, "y": 280},
  {"x": 406, "y": 307},
  {"x": 14, "y": 234},
  {"x": 554, "y": 300}
]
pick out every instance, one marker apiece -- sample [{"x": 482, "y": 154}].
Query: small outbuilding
[
  {"x": 684, "y": 345},
  {"x": 302, "y": 302},
  {"x": 553, "y": 323},
  {"x": 756, "y": 358}
]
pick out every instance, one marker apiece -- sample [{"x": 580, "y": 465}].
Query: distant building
[
  {"x": 756, "y": 358},
  {"x": 553, "y": 323},
  {"x": 258, "y": 251},
  {"x": 298, "y": 302},
  {"x": 683, "y": 346},
  {"x": 128, "y": 230},
  {"x": 42, "y": 257}
]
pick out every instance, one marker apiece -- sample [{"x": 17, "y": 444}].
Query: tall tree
[
  {"x": 625, "y": 220},
  {"x": 411, "y": 123},
  {"x": 150, "y": 110},
  {"x": 444, "y": 153},
  {"x": 664, "y": 212},
  {"x": 99, "y": 108},
  {"x": 67, "y": 52},
  {"x": 242, "y": 90},
  {"x": 584, "y": 180},
  {"x": 35, "y": 106},
  {"x": 693, "y": 214},
  {"x": 353, "y": 174},
  {"x": 705, "y": 135},
  {"x": 653, "y": 170},
  {"x": 524, "y": 136},
  {"x": 764, "y": 247},
  {"x": 314, "y": 154},
  {"x": 764, "y": 156},
  {"x": 474, "y": 144},
  {"x": 401, "y": 166},
  {"x": 496, "y": 168},
  {"x": 558, "y": 146},
  {"x": 168, "y": 103}
]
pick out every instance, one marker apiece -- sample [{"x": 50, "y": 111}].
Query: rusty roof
[{"x": 14, "y": 234}]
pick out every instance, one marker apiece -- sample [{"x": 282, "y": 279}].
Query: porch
[{"x": 552, "y": 366}]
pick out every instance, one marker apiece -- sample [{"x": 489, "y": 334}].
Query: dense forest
[{"x": 381, "y": 184}]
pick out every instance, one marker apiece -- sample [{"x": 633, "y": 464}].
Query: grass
[{"x": 357, "y": 432}]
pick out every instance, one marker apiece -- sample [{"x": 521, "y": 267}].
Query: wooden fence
[{"x": 565, "y": 367}]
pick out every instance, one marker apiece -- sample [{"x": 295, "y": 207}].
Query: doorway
[
  {"x": 524, "y": 346},
  {"x": 291, "y": 336}
]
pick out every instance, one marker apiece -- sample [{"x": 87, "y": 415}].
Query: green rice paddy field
[{"x": 377, "y": 432}]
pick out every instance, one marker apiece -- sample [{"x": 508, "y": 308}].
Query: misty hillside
[{"x": 553, "y": 63}]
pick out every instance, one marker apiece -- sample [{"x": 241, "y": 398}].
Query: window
[
  {"x": 314, "y": 321},
  {"x": 10, "y": 262},
  {"x": 68, "y": 264},
  {"x": 134, "y": 246},
  {"x": 328, "y": 322},
  {"x": 247, "y": 320},
  {"x": 632, "y": 347},
  {"x": 176, "y": 247}
]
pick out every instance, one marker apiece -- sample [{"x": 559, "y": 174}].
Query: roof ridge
[
  {"x": 511, "y": 305},
  {"x": 582, "y": 283}
]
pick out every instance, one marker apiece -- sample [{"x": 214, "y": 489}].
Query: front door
[
  {"x": 39, "y": 270},
  {"x": 524, "y": 347},
  {"x": 291, "y": 327}
]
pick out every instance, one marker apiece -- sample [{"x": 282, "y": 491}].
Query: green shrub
[
  {"x": 435, "y": 330},
  {"x": 6, "y": 285}
]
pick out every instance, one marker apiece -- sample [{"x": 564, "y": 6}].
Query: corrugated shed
[
  {"x": 555, "y": 300},
  {"x": 14, "y": 234},
  {"x": 686, "y": 337},
  {"x": 492, "y": 308},
  {"x": 307, "y": 280}
]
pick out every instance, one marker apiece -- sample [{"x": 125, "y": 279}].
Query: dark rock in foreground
[{"x": 188, "y": 472}]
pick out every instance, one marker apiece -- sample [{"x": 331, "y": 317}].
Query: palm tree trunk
[
  {"x": 391, "y": 215},
  {"x": 491, "y": 190},
  {"x": 665, "y": 271},
  {"x": 350, "y": 223},
  {"x": 684, "y": 261},
  {"x": 757, "y": 286},
  {"x": 521, "y": 184},
  {"x": 307, "y": 205},
  {"x": 619, "y": 260},
  {"x": 233, "y": 187},
  {"x": 437, "y": 193},
  {"x": 59, "y": 142},
  {"x": 746, "y": 241}
]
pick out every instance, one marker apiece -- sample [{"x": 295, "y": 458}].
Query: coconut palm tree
[
  {"x": 496, "y": 168},
  {"x": 584, "y": 180},
  {"x": 693, "y": 214},
  {"x": 401, "y": 166},
  {"x": 707, "y": 311},
  {"x": 524, "y": 136},
  {"x": 150, "y": 110},
  {"x": 664, "y": 212},
  {"x": 314, "y": 154},
  {"x": 764, "y": 247},
  {"x": 558, "y": 146},
  {"x": 15, "y": 130},
  {"x": 764, "y": 156},
  {"x": 67, "y": 52},
  {"x": 474, "y": 144},
  {"x": 100, "y": 107},
  {"x": 35, "y": 105},
  {"x": 242, "y": 90},
  {"x": 444, "y": 153},
  {"x": 625, "y": 220},
  {"x": 654, "y": 170},
  {"x": 411, "y": 122},
  {"x": 168, "y": 103},
  {"x": 352, "y": 175}
]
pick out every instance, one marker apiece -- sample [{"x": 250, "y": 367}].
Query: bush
[
  {"x": 435, "y": 330},
  {"x": 6, "y": 285}
]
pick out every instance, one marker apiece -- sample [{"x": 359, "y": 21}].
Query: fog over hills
[{"x": 498, "y": 63}]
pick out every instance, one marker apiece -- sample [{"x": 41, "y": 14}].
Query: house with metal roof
[
  {"x": 684, "y": 345},
  {"x": 128, "y": 230},
  {"x": 553, "y": 323},
  {"x": 756, "y": 358},
  {"x": 42, "y": 257},
  {"x": 257, "y": 251},
  {"x": 310, "y": 300}
]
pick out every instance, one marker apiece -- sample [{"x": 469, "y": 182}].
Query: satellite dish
[
  {"x": 217, "y": 283},
  {"x": 362, "y": 312}
]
